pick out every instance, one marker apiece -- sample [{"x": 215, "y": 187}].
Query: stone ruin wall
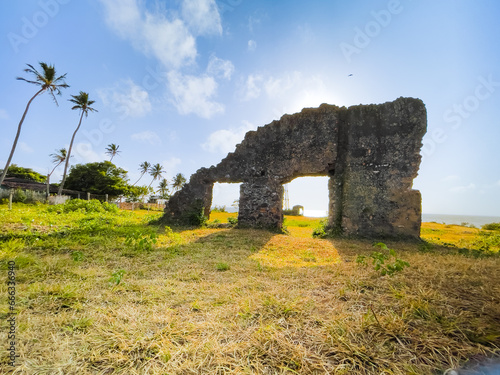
[{"x": 370, "y": 152}]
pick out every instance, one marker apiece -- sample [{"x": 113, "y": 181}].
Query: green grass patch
[{"x": 104, "y": 291}]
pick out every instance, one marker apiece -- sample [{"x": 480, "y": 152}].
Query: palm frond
[
  {"x": 83, "y": 103},
  {"x": 30, "y": 69},
  {"x": 53, "y": 97},
  {"x": 27, "y": 80},
  {"x": 46, "y": 79},
  {"x": 59, "y": 156}
]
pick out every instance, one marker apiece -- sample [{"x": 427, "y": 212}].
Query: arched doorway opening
[{"x": 225, "y": 201}]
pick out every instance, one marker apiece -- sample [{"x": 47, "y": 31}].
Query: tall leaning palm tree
[
  {"x": 82, "y": 103},
  {"x": 58, "y": 158},
  {"x": 112, "y": 150},
  {"x": 156, "y": 172},
  {"x": 144, "y": 168},
  {"x": 46, "y": 80}
]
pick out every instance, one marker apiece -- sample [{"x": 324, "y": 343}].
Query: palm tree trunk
[
  {"x": 59, "y": 191},
  {"x": 138, "y": 179},
  {"x": 48, "y": 178},
  {"x": 17, "y": 137},
  {"x": 48, "y": 187}
]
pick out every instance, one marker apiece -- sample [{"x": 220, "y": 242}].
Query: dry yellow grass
[
  {"x": 285, "y": 305},
  {"x": 452, "y": 234}
]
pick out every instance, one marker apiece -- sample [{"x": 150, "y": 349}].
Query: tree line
[{"x": 97, "y": 178}]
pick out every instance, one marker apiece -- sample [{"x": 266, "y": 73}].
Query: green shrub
[
  {"x": 219, "y": 209},
  {"x": 110, "y": 207},
  {"x": 321, "y": 231},
  {"x": 213, "y": 224},
  {"x": 95, "y": 222},
  {"x": 232, "y": 220},
  {"x": 486, "y": 244},
  {"x": 141, "y": 242},
  {"x": 92, "y": 205},
  {"x": 116, "y": 277},
  {"x": 197, "y": 218},
  {"x": 77, "y": 256},
  {"x": 82, "y": 205},
  {"x": 222, "y": 267},
  {"x": 491, "y": 226},
  {"x": 382, "y": 261},
  {"x": 19, "y": 196}
]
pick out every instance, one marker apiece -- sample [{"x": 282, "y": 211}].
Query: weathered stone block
[{"x": 261, "y": 202}]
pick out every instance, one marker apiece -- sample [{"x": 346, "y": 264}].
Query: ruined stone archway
[{"x": 370, "y": 152}]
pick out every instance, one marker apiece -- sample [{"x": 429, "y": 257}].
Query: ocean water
[{"x": 478, "y": 221}]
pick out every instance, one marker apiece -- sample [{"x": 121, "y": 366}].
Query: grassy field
[{"x": 105, "y": 292}]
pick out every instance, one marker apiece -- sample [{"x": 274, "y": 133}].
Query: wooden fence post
[
  {"x": 11, "y": 195},
  {"x": 106, "y": 198},
  {"x": 88, "y": 196}
]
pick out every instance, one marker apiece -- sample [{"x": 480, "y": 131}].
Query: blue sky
[{"x": 179, "y": 82}]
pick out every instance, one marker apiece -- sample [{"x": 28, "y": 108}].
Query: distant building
[
  {"x": 14, "y": 183},
  {"x": 157, "y": 199}
]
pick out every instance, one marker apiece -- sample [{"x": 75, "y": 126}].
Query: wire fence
[
  {"x": 32, "y": 196},
  {"x": 23, "y": 196}
]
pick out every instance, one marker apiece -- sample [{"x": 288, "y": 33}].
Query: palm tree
[
  {"x": 163, "y": 188},
  {"x": 144, "y": 167},
  {"x": 156, "y": 171},
  {"x": 112, "y": 150},
  {"x": 47, "y": 81},
  {"x": 178, "y": 181},
  {"x": 58, "y": 158},
  {"x": 82, "y": 103}
]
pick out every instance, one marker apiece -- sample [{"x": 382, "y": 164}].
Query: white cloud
[
  {"x": 24, "y": 147},
  {"x": 147, "y": 136},
  {"x": 169, "y": 40},
  {"x": 220, "y": 68},
  {"x": 252, "y": 45},
  {"x": 84, "y": 153},
  {"x": 277, "y": 86},
  {"x": 170, "y": 36},
  {"x": 252, "y": 87},
  {"x": 225, "y": 140},
  {"x": 202, "y": 16},
  {"x": 292, "y": 90},
  {"x": 462, "y": 189},
  {"x": 170, "y": 167},
  {"x": 123, "y": 16},
  {"x": 3, "y": 114},
  {"x": 193, "y": 94},
  {"x": 127, "y": 98},
  {"x": 255, "y": 20}
]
